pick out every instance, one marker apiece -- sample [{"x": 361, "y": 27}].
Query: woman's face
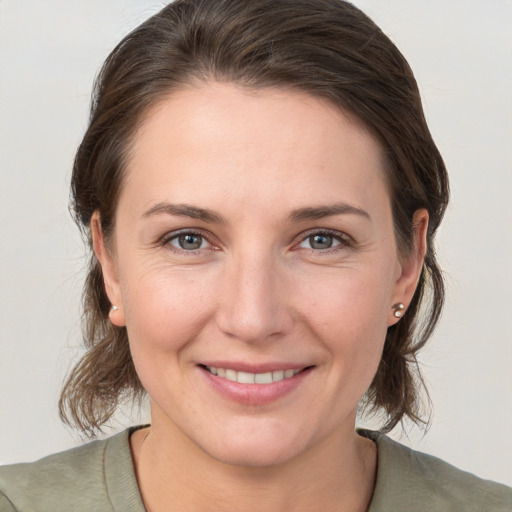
[{"x": 255, "y": 269}]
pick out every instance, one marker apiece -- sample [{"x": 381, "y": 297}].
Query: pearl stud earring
[
  {"x": 114, "y": 308},
  {"x": 398, "y": 309}
]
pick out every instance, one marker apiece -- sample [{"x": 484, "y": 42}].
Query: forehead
[{"x": 270, "y": 141}]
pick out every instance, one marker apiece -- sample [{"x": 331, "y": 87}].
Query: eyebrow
[
  {"x": 298, "y": 215},
  {"x": 186, "y": 210},
  {"x": 319, "y": 212}
]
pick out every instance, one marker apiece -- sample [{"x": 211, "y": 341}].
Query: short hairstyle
[{"x": 326, "y": 48}]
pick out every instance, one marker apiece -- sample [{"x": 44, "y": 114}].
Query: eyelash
[
  {"x": 169, "y": 237},
  {"x": 345, "y": 241}
]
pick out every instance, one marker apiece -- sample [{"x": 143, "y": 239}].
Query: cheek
[
  {"x": 165, "y": 309},
  {"x": 350, "y": 317},
  {"x": 354, "y": 301}
]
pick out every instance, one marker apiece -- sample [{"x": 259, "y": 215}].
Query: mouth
[
  {"x": 268, "y": 384},
  {"x": 254, "y": 378}
]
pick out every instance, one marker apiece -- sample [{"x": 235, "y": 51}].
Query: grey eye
[
  {"x": 189, "y": 241},
  {"x": 321, "y": 241}
]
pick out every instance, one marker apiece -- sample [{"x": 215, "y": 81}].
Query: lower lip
[{"x": 254, "y": 394}]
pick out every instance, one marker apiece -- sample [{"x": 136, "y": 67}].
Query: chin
[
  {"x": 260, "y": 447},
  {"x": 255, "y": 455}
]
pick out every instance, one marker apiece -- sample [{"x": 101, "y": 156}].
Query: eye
[
  {"x": 320, "y": 241},
  {"x": 188, "y": 241},
  {"x": 324, "y": 240}
]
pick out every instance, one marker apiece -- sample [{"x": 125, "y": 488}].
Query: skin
[{"x": 257, "y": 289}]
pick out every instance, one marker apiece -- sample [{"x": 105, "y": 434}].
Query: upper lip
[{"x": 240, "y": 366}]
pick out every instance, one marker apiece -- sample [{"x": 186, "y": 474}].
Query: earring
[
  {"x": 398, "y": 307},
  {"x": 114, "y": 308}
]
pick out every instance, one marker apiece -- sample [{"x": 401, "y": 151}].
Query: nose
[{"x": 253, "y": 301}]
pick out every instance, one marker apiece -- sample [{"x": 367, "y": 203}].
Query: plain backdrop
[{"x": 461, "y": 52}]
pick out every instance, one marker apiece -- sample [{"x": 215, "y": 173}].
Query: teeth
[
  {"x": 278, "y": 375},
  {"x": 246, "y": 378},
  {"x": 252, "y": 378},
  {"x": 231, "y": 375},
  {"x": 262, "y": 378}
]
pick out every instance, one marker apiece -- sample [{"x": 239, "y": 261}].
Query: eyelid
[
  {"x": 346, "y": 241},
  {"x": 172, "y": 235}
]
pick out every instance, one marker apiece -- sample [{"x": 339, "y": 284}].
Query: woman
[{"x": 261, "y": 193}]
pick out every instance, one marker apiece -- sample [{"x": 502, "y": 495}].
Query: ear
[
  {"x": 109, "y": 271},
  {"x": 410, "y": 267}
]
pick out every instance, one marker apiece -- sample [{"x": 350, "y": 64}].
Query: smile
[{"x": 253, "y": 378}]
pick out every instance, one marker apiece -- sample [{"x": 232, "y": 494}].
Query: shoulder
[
  {"x": 89, "y": 477},
  {"x": 56, "y": 479},
  {"x": 408, "y": 480}
]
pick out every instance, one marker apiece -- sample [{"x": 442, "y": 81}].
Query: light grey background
[{"x": 461, "y": 52}]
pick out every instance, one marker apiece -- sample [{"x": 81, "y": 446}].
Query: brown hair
[{"x": 327, "y": 48}]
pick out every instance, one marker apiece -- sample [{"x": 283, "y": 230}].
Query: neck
[{"x": 174, "y": 474}]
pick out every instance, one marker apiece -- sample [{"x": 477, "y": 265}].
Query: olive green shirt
[{"x": 99, "y": 476}]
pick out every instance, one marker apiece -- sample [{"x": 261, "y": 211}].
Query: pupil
[
  {"x": 321, "y": 241},
  {"x": 190, "y": 242}
]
